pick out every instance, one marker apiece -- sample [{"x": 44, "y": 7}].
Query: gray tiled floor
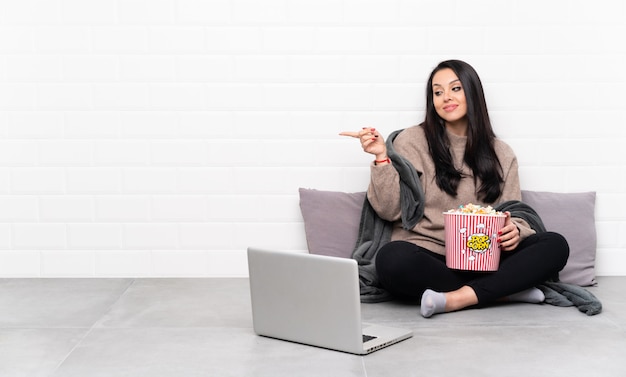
[{"x": 203, "y": 327}]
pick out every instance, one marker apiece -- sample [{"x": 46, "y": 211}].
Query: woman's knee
[
  {"x": 558, "y": 246},
  {"x": 388, "y": 256}
]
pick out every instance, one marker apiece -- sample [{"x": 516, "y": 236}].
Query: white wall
[{"x": 162, "y": 137}]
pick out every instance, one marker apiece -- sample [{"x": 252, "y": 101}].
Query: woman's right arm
[{"x": 384, "y": 189}]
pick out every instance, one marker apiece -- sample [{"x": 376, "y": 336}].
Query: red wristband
[{"x": 381, "y": 161}]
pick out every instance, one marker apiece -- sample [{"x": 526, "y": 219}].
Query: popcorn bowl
[{"x": 472, "y": 241}]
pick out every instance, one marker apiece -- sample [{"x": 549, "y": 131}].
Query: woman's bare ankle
[{"x": 461, "y": 298}]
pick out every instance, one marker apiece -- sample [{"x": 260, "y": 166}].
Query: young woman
[{"x": 459, "y": 160}]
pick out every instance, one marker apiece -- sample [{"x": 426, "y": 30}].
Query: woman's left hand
[{"x": 508, "y": 237}]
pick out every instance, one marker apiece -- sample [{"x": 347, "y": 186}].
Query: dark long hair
[{"x": 480, "y": 154}]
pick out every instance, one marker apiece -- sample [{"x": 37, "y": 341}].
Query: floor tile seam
[
  {"x": 69, "y": 353},
  {"x": 363, "y": 366},
  {"x": 45, "y": 328},
  {"x": 98, "y": 321},
  {"x": 92, "y": 327},
  {"x": 621, "y": 325},
  {"x": 500, "y": 326},
  {"x": 216, "y": 327}
]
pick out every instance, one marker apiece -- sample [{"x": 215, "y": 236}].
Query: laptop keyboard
[{"x": 367, "y": 338}]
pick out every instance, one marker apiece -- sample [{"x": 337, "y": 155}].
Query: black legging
[{"x": 405, "y": 270}]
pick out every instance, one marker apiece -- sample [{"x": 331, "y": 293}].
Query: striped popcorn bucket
[{"x": 471, "y": 241}]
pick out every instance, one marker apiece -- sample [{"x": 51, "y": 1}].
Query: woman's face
[{"x": 449, "y": 97}]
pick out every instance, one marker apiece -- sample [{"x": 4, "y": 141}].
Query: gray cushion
[
  {"x": 573, "y": 216},
  {"x": 331, "y": 222}
]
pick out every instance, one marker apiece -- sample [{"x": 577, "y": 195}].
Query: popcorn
[{"x": 475, "y": 209}]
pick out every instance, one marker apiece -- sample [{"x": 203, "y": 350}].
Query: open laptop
[{"x": 314, "y": 300}]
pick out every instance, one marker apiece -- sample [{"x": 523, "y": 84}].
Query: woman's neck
[{"x": 458, "y": 128}]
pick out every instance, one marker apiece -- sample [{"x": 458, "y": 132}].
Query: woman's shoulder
[
  {"x": 411, "y": 135},
  {"x": 503, "y": 150}
]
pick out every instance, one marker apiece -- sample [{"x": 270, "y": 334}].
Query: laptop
[{"x": 313, "y": 300}]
